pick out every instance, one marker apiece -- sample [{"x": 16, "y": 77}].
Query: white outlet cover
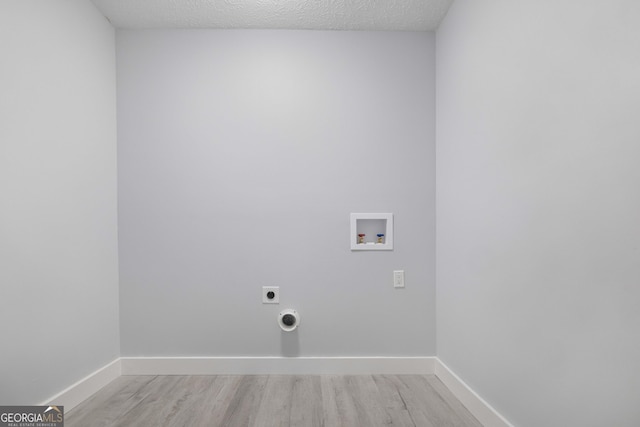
[
  {"x": 398, "y": 279},
  {"x": 275, "y": 290}
]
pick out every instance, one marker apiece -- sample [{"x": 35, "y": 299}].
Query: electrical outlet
[
  {"x": 271, "y": 295},
  {"x": 398, "y": 279}
]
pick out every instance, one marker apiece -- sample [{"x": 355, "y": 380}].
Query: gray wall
[
  {"x": 58, "y": 215},
  {"x": 538, "y": 208},
  {"x": 241, "y": 155}
]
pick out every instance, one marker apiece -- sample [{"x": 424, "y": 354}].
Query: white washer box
[{"x": 371, "y": 224}]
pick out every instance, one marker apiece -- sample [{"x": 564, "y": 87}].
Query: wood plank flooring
[{"x": 273, "y": 400}]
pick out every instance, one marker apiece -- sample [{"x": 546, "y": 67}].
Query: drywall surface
[
  {"x": 538, "y": 234},
  {"x": 404, "y": 15},
  {"x": 58, "y": 182},
  {"x": 241, "y": 155}
]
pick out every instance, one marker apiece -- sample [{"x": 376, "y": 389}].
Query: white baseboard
[
  {"x": 480, "y": 409},
  {"x": 276, "y": 365},
  {"x": 83, "y": 389}
]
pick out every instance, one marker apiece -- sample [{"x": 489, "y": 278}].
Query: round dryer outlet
[
  {"x": 288, "y": 320},
  {"x": 271, "y": 295}
]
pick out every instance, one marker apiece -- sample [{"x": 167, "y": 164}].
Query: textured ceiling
[{"x": 405, "y": 15}]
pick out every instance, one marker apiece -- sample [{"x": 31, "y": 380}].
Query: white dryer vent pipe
[{"x": 288, "y": 320}]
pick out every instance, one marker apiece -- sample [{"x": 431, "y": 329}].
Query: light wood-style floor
[{"x": 273, "y": 400}]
